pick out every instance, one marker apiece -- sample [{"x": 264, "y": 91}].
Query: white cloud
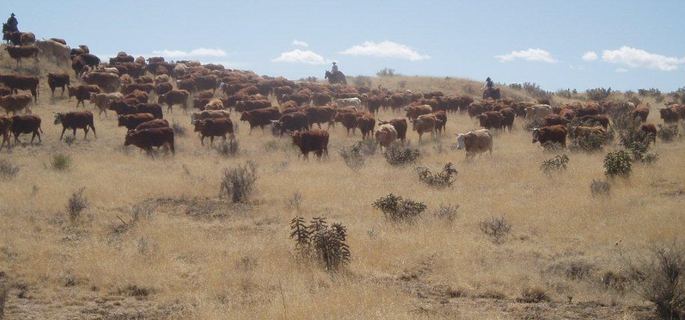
[
  {"x": 621, "y": 70},
  {"x": 301, "y": 56},
  {"x": 199, "y": 52},
  {"x": 590, "y": 56},
  {"x": 635, "y": 58},
  {"x": 529, "y": 55},
  {"x": 385, "y": 49},
  {"x": 300, "y": 43}
]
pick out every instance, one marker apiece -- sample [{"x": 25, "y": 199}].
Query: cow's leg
[
  {"x": 62, "y": 95},
  {"x": 94, "y": 133},
  {"x": 74, "y": 134},
  {"x": 63, "y": 129},
  {"x": 202, "y": 140},
  {"x": 211, "y": 140},
  {"x": 52, "y": 89}
]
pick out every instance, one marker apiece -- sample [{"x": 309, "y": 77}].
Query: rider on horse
[
  {"x": 488, "y": 84},
  {"x": 12, "y": 23},
  {"x": 334, "y": 69}
]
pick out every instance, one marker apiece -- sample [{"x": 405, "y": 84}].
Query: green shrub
[
  {"x": 398, "y": 155},
  {"x": 398, "y": 209},
  {"x": 7, "y": 169},
  {"x": 588, "y": 143},
  {"x": 352, "y": 156},
  {"x": 442, "y": 179},
  {"x": 618, "y": 163},
  {"x": 238, "y": 183},
  {"x": 446, "y": 212},
  {"x": 76, "y": 204},
  {"x": 667, "y": 133},
  {"x": 60, "y": 162},
  {"x": 327, "y": 244},
  {"x": 229, "y": 148},
  {"x": 495, "y": 228},
  {"x": 660, "y": 278},
  {"x": 557, "y": 163}
]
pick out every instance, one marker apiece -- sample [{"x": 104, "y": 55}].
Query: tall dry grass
[{"x": 219, "y": 260}]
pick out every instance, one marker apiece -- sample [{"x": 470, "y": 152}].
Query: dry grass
[{"x": 200, "y": 258}]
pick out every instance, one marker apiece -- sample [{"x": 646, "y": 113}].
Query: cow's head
[
  {"x": 276, "y": 127},
  {"x": 198, "y": 125},
  {"x": 536, "y": 133},
  {"x": 245, "y": 116},
  {"x": 58, "y": 118},
  {"x": 460, "y": 140},
  {"x": 129, "y": 138}
]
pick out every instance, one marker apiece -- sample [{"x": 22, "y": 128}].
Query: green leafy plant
[
  {"x": 327, "y": 244},
  {"x": 442, "y": 179},
  {"x": 618, "y": 163},
  {"x": 557, "y": 163},
  {"x": 398, "y": 155},
  {"x": 398, "y": 209}
]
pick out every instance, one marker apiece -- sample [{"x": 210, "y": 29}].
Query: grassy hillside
[{"x": 157, "y": 242}]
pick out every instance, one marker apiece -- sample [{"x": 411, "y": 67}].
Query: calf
[
  {"x": 131, "y": 121},
  {"x": 400, "y": 126},
  {"x": 508, "y": 115},
  {"x": 366, "y": 123},
  {"x": 58, "y": 80},
  {"x": 348, "y": 120},
  {"x": 386, "y": 135},
  {"x": 103, "y": 100},
  {"x": 441, "y": 123},
  {"x": 148, "y": 138},
  {"x": 75, "y": 120},
  {"x": 82, "y": 93},
  {"x": 424, "y": 123},
  {"x": 475, "y": 142},
  {"x": 311, "y": 141},
  {"x": 413, "y": 112},
  {"x": 26, "y": 124},
  {"x": 214, "y": 128},
  {"x": 650, "y": 130},
  {"x": 555, "y": 134},
  {"x": 16, "y": 102}
]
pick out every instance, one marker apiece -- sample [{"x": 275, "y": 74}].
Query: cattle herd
[{"x": 137, "y": 89}]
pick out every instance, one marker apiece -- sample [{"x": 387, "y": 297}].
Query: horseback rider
[
  {"x": 12, "y": 23},
  {"x": 334, "y": 69},
  {"x": 488, "y": 84}
]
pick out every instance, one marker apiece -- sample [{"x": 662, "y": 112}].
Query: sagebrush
[{"x": 238, "y": 183}]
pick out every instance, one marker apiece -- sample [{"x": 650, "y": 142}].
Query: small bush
[
  {"x": 352, "y": 156},
  {"x": 295, "y": 201},
  {"x": 446, "y": 212},
  {"x": 7, "y": 169},
  {"x": 386, "y": 72},
  {"x": 557, "y": 163},
  {"x": 667, "y": 133},
  {"x": 600, "y": 188},
  {"x": 238, "y": 183},
  {"x": 442, "y": 179},
  {"x": 588, "y": 143},
  {"x": 368, "y": 146},
  {"x": 614, "y": 280},
  {"x": 398, "y": 209},
  {"x": 661, "y": 279},
  {"x": 495, "y": 228},
  {"x": 179, "y": 130},
  {"x": 399, "y": 155},
  {"x": 533, "y": 295},
  {"x": 318, "y": 240},
  {"x": 229, "y": 148},
  {"x": 60, "y": 162},
  {"x": 618, "y": 163},
  {"x": 552, "y": 147},
  {"x": 69, "y": 140},
  {"x": 76, "y": 204},
  {"x": 598, "y": 94}
]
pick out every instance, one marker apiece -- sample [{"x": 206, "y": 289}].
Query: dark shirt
[{"x": 12, "y": 21}]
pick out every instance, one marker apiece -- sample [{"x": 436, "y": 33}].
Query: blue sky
[{"x": 636, "y": 44}]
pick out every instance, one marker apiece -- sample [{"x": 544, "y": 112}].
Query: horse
[
  {"x": 337, "y": 77},
  {"x": 491, "y": 93}
]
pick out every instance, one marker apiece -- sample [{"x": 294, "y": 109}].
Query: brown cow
[
  {"x": 22, "y": 83},
  {"x": 145, "y": 87},
  {"x": 641, "y": 112},
  {"x": 75, "y": 120},
  {"x": 293, "y": 121},
  {"x": 400, "y": 126},
  {"x": 5, "y": 129},
  {"x": 18, "y": 53},
  {"x": 475, "y": 142},
  {"x": 670, "y": 114},
  {"x": 366, "y": 123},
  {"x": 599, "y": 119},
  {"x": 249, "y": 105},
  {"x": 424, "y": 123},
  {"x": 58, "y": 80},
  {"x": 555, "y": 133},
  {"x": 82, "y": 93},
  {"x": 214, "y": 128},
  {"x": 103, "y": 100},
  {"x": 175, "y": 97},
  {"x": 441, "y": 123},
  {"x": 553, "y": 119},
  {"x": 157, "y": 123},
  {"x": 131, "y": 121},
  {"x": 311, "y": 141},
  {"x": 319, "y": 115},
  {"x": 386, "y": 135},
  {"x": 581, "y": 131},
  {"x": 474, "y": 109},
  {"x": 260, "y": 117},
  {"x": 414, "y": 112},
  {"x": 106, "y": 81},
  {"x": 650, "y": 130},
  {"x": 26, "y": 124},
  {"x": 148, "y": 138},
  {"x": 348, "y": 120},
  {"x": 490, "y": 120},
  {"x": 508, "y": 115},
  {"x": 16, "y": 102}
]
